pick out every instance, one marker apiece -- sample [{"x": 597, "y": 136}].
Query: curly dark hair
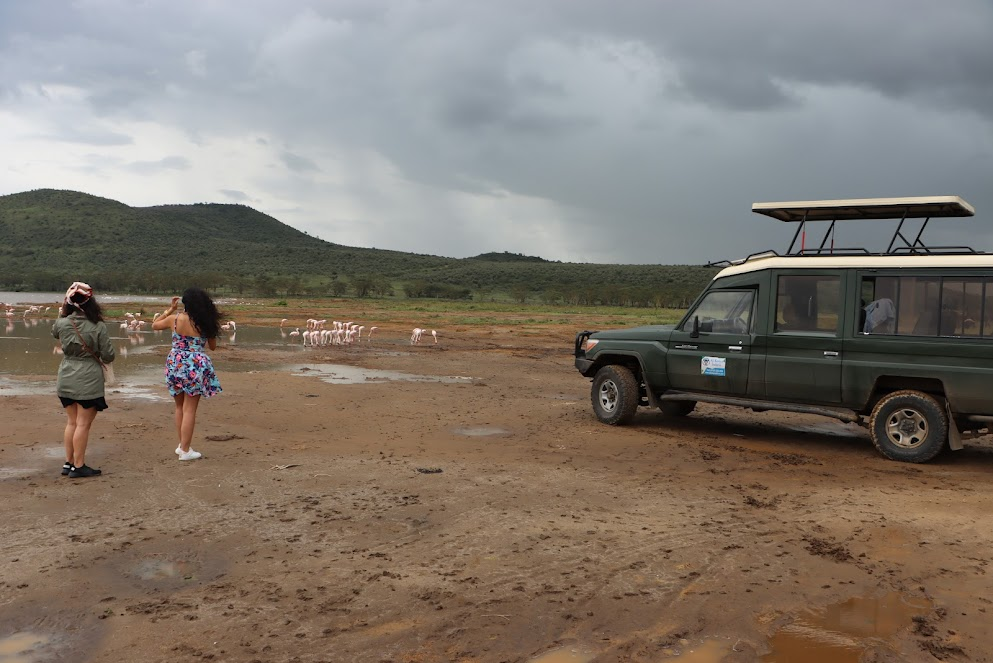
[
  {"x": 202, "y": 311},
  {"x": 88, "y": 307}
]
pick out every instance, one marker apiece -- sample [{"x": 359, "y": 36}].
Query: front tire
[
  {"x": 615, "y": 395},
  {"x": 909, "y": 426}
]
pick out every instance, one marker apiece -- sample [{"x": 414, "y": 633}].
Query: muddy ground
[{"x": 482, "y": 519}]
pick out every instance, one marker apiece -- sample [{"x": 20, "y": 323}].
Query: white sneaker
[{"x": 190, "y": 455}]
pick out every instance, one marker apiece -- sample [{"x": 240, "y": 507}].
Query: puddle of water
[
  {"x": 482, "y": 431},
  {"x": 565, "y": 655},
  {"x": 22, "y": 648},
  {"x": 343, "y": 374},
  {"x": 162, "y": 569},
  {"x": 708, "y": 651},
  {"x": 842, "y": 632}
]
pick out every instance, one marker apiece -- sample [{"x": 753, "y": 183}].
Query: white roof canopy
[{"x": 866, "y": 208}]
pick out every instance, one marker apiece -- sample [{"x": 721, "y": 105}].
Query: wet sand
[{"x": 484, "y": 518}]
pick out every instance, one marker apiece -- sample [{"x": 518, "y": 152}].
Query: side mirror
[{"x": 696, "y": 327}]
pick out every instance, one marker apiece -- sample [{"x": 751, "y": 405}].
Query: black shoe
[
  {"x": 66, "y": 466},
  {"x": 83, "y": 471}
]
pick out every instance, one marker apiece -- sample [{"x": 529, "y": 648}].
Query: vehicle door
[
  {"x": 804, "y": 349},
  {"x": 710, "y": 350}
]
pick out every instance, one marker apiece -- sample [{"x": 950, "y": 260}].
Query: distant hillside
[
  {"x": 507, "y": 257},
  {"x": 50, "y": 237}
]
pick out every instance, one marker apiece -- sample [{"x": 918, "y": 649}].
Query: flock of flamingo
[{"x": 318, "y": 333}]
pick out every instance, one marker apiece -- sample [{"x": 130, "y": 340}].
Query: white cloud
[{"x": 576, "y": 130}]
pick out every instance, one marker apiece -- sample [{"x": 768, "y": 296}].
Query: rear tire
[
  {"x": 615, "y": 395},
  {"x": 909, "y": 426},
  {"x": 677, "y": 408}
]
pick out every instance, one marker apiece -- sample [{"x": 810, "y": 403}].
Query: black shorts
[{"x": 99, "y": 403}]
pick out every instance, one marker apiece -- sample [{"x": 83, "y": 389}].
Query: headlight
[{"x": 590, "y": 344}]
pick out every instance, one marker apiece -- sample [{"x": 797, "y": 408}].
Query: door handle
[
  {"x": 734, "y": 348},
  {"x": 686, "y": 347},
  {"x": 830, "y": 353}
]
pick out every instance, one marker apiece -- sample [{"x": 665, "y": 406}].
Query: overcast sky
[{"x": 618, "y": 131}]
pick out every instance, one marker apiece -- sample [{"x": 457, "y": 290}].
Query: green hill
[{"x": 50, "y": 237}]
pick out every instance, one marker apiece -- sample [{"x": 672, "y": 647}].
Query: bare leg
[
  {"x": 179, "y": 398},
  {"x": 190, "y": 404},
  {"x": 70, "y": 430},
  {"x": 81, "y": 436}
]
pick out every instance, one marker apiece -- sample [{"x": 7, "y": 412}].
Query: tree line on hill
[{"x": 49, "y": 238}]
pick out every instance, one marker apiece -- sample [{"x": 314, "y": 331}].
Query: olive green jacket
[{"x": 80, "y": 375}]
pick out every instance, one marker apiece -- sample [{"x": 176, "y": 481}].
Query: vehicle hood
[{"x": 646, "y": 333}]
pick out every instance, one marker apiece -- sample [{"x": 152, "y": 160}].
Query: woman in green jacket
[{"x": 85, "y": 347}]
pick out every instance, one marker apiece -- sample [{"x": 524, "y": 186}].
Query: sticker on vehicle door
[{"x": 713, "y": 366}]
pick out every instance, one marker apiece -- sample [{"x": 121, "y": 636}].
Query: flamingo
[
  {"x": 295, "y": 332},
  {"x": 229, "y": 326},
  {"x": 415, "y": 338},
  {"x": 368, "y": 336},
  {"x": 283, "y": 322}
]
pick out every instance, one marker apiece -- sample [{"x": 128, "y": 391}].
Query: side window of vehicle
[
  {"x": 723, "y": 311},
  {"x": 961, "y": 307},
  {"x": 879, "y": 297},
  {"x": 808, "y": 304},
  {"x": 926, "y": 306}
]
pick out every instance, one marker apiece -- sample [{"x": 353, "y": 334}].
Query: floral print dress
[{"x": 189, "y": 369}]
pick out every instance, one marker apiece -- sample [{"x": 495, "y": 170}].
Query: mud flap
[{"x": 954, "y": 436}]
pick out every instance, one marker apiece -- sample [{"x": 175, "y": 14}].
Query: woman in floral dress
[{"x": 189, "y": 371}]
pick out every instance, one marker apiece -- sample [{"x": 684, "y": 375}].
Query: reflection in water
[
  {"x": 344, "y": 374},
  {"x": 842, "y": 632}
]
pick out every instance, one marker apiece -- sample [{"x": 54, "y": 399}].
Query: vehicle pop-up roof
[{"x": 862, "y": 209}]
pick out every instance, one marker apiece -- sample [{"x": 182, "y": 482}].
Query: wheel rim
[
  {"x": 907, "y": 428},
  {"x": 608, "y": 395}
]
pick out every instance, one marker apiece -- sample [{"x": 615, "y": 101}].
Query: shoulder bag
[{"x": 108, "y": 369}]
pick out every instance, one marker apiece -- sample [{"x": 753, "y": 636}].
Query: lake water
[
  {"x": 29, "y": 358},
  {"x": 17, "y": 299}
]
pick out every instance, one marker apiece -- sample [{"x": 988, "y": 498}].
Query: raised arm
[{"x": 165, "y": 320}]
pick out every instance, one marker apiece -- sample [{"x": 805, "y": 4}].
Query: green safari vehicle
[{"x": 899, "y": 341}]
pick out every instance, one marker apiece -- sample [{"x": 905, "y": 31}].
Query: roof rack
[{"x": 863, "y": 209}]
